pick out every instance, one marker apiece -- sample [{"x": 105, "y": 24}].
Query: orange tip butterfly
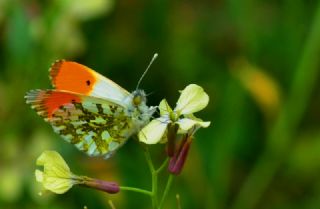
[{"x": 89, "y": 110}]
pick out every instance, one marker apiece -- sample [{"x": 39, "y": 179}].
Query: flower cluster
[
  {"x": 181, "y": 119},
  {"x": 179, "y": 123}
]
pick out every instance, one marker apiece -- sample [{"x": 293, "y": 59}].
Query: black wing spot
[
  {"x": 100, "y": 109},
  {"x": 88, "y": 82}
]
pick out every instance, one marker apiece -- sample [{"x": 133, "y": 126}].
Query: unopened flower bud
[
  {"x": 177, "y": 161},
  {"x": 172, "y": 135},
  {"x": 106, "y": 186}
]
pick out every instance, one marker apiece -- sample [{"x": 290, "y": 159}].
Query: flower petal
[
  {"x": 56, "y": 184},
  {"x": 153, "y": 132},
  {"x": 192, "y": 99},
  {"x": 164, "y": 108},
  {"x": 39, "y": 176},
  {"x": 186, "y": 123},
  {"x": 53, "y": 162},
  {"x": 56, "y": 175}
]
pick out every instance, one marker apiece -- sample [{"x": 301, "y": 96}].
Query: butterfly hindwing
[
  {"x": 74, "y": 77},
  {"x": 95, "y": 126}
]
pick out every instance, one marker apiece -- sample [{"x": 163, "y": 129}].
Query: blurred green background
[{"x": 258, "y": 60}]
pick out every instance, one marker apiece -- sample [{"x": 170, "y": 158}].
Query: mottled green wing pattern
[
  {"x": 92, "y": 127},
  {"x": 95, "y": 126}
]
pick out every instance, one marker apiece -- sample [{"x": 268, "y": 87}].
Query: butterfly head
[
  {"x": 139, "y": 97},
  {"x": 138, "y": 109}
]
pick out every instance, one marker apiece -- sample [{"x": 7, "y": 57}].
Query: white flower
[
  {"x": 56, "y": 175},
  {"x": 192, "y": 99}
]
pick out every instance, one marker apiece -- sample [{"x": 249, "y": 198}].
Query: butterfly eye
[{"x": 137, "y": 100}]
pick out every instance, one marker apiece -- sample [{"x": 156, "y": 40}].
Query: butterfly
[{"x": 89, "y": 110}]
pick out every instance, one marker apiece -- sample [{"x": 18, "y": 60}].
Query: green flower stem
[
  {"x": 149, "y": 161},
  {"x": 164, "y": 164},
  {"x": 166, "y": 190},
  {"x": 133, "y": 189},
  {"x": 154, "y": 175},
  {"x": 154, "y": 196}
]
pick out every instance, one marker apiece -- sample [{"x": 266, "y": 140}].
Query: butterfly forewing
[
  {"x": 74, "y": 77},
  {"x": 95, "y": 126}
]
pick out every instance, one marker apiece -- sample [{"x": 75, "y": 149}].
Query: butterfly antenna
[
  {"x": 148, "y": 94},
  {"x": 145, "y": 72}
]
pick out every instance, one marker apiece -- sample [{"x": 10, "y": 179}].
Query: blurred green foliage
[{"x": 258, "y": 61}]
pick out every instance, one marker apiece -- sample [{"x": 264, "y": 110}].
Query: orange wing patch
[
  {"x": 72, "y": 76},
  {"x": 47, "y": 102},
  {"x": 77, "y": 78}
]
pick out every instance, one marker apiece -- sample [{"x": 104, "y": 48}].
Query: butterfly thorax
[
  {"x": 137, "y": 108},
  {"x": 139, "y": 97}
]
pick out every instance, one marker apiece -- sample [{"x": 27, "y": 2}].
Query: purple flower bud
[
  {"x": 177, "y": 161},
  {"x": 109, "y": 187},
  {"x": 172, "y": 135}
]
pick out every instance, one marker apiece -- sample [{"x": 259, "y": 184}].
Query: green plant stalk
[
  {"x": 154, "y": 176},
  {"x": 154, "y": 193},
  {"x": 148, "y": 158},
  {"x": 133, "y": 189},
  {"x": 166, "y": 190},
  {"x": 283, "y": 131},
  {"x": 164, "y": 164},
  {"x": 154, "y": 196}
]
